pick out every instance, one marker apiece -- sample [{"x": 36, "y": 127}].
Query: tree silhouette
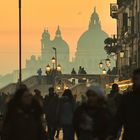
[{"x": 111, "y": 45}]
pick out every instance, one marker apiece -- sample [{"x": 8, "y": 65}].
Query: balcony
[{"x": 114, "y": 10}]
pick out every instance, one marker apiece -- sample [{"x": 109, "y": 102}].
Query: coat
[
  {"x": 23, "y": 124},
  {"x": 90, "y": 123},
  {"x": 128, "y": 116},
  {"x": 66, "y": 111}
]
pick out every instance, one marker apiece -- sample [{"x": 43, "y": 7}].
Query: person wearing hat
[{"x": 91, "y": 119}]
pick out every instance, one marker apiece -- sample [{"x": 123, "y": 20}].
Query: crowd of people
[{"x": 27, "y": 116}]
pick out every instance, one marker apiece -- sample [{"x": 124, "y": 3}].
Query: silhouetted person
[
  {"x": 51, "y": 109},
  {"x": 73, "y": 72},
  {"x": 128, "y": 114},
  {"x": 39, "y": 72},
  {"x": 80, "y": 70},
  {"x": 83, "y": 71},
  {"x": 38, "y": 97},
  {"x": 23, "y": 118},
  {"x": 114, "y": 98},
  {"x": 67, "y": 108},
  {"x": 92, "y": 118}
]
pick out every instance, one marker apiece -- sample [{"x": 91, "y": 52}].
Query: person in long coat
[{"x": 23, "y": 118}]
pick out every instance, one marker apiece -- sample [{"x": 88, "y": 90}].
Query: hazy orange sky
[{"x": 72, "y": 16}]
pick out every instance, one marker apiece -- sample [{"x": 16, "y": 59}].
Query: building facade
[{"x": 127, "y": 14}]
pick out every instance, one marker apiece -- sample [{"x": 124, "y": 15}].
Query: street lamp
[
  {"x": 59, "y": 67},
  {"x": 48, "y": 68},
  {"x": 53, "y": 60},
  {"x": 55, "y": 50},
  {"x": 104, "y": 71},
  {"x": 108, "y": 62},
  {"x": 101, "y": 65},
  {"x": 121, "y": 54}
]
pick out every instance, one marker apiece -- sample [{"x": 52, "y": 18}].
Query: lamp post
[
  {"x": 55, "y": 56},
  {"x": 101, "y": 65},
  {"x": 104, "y": 71},
  {"x": 107, "y": 63},
  {"x": 20, "y": 45},
  {"x": 54, "y": 62},
  {"x": 59, "y": 68},
  {"x": 48, "y": 69},
  {"x": 52, "y": 73}
]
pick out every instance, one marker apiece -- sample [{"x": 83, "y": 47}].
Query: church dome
[
  {"x": 90, "y": 46},
  {"x": 91, "y": 39},
  {"x": 59, "y": 43}
]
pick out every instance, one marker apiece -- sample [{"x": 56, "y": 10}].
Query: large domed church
[
  {"x": 90, "y": 46},
  {"x": 89, "y": 52}
]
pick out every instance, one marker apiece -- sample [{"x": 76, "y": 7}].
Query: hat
[{"x": 97, "y": 89}]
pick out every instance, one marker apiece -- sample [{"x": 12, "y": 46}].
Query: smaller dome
[{"x": 60, "y": 44}]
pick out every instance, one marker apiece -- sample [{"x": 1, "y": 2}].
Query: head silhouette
[
  {"x": 22, "y": 96},
  {"x": 68, "y": 93},
  {"x": 51, "y": 91},
  {"x": 115, "y": 88}
]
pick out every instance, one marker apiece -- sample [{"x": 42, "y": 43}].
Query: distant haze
[{"x": 72, "y": 16}]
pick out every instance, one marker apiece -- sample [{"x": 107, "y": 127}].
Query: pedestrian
[
  {"x": 67, "y": 108},
  {"x": 39, "y": 72},
  {"x": 23, "y": 117},
  {"x": 51, "y": 111},
  {"x": 128, "y": 114},
  {"x": 38, "y": 97},
  {"x": 114, "y": 98},
  {"x": 92, "y": 118}
]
